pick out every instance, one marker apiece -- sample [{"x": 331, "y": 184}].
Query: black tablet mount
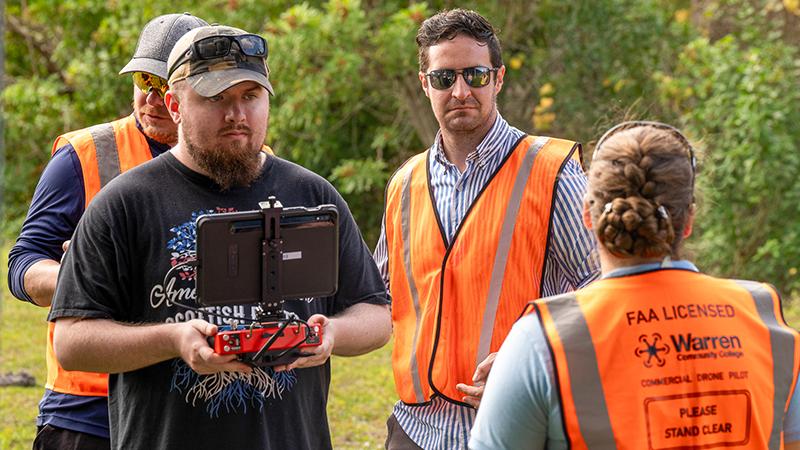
[
  {"x": 272, "y": 256},
  {"x": 277, "y": 336}
]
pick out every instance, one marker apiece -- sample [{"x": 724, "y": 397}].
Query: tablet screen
[{"x": 230, "y": 266}]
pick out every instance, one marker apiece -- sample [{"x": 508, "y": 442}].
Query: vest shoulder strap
[
  {"x": 408, "y": 165},
  {"x": 782, "y": 342},
  {"x": 577, "y": 345},
  {"x": 105, "y": 144},
  {"x": 103, "y": 138}
]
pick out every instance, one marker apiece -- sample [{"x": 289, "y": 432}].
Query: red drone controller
[{"x": 268, "y": 343}]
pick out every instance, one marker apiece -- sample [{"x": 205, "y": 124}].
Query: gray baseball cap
[
  {"x": 156, "y": 41},
  {"x": 211, "y": 75}
]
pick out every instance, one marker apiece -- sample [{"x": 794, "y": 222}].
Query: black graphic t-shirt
[{"x": 127, "y": 262}]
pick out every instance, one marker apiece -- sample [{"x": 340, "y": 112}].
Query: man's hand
[
  {"x": 358, "y": 329},
  {"x": 474, "y": 393},
  {"x": 320, "y": 353},
  {"x": 192, "y": 344},
  {"x": 106, "y": 346}
]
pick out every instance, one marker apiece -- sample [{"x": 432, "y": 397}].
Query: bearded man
[{"x": 168, "y": 389}]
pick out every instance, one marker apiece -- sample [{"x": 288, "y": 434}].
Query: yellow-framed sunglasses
[{"x": 146, "y": 82}]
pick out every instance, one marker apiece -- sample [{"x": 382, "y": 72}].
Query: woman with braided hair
[{"x": 655, "y": 354}]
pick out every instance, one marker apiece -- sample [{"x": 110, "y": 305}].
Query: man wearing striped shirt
[{"x": 485, "y": 220}]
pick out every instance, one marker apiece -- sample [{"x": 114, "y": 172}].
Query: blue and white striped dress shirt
[{"x": 571, "y": 261}]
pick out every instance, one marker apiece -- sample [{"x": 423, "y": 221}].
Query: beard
[
  {"x": 159, "y": 134},
  {"x": 165, "y": 134},
  {"x": 229, "y": 165}
]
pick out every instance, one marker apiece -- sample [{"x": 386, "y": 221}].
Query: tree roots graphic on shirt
[{"x": 230, "y": 392}]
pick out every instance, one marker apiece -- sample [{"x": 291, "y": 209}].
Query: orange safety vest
[
  {"x": 105, "y": 151},
  {"x": 672, "y": 359},
  {"x": 453, "y": 304}
]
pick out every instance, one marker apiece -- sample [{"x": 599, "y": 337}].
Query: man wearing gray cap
[
  {"x": 135, "y": 314},
  {"x": 73, "y": 412}
]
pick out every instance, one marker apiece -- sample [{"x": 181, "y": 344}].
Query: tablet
[{"x": 230, "y": 267}]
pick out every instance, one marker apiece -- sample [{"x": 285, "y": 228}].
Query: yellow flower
[
  {"x": 546, "y": 90},
  {"x": 515, "y": 63},
  {"x": 546, "y": 102},
  {"x": 793, "y": 271},
  {"x": 681, "y": 15},
  {"x": 542, "y": 122},
  {"x": 793, "y": 6}
]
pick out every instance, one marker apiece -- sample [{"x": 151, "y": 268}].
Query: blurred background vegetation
[{"x": 349, "y": 106}]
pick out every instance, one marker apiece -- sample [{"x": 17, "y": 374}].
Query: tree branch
[
  {"x": 418, "y": 111},
  {"x": 35, "y": 38}
]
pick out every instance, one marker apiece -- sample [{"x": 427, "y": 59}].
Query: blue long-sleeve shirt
[{"x": 57, "y": 204}]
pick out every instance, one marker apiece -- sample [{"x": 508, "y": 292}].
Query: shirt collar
[
  {"x": 649, "y": 267},
  {"x": 491, "y": 144}
]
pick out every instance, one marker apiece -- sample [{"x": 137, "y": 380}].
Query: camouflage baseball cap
[
  {"x": 156, "y": 41},
  {"x": 211, "y": 75}
]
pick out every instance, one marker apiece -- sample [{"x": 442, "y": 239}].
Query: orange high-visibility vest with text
[
  {"x": 671, "y": 359},
  {"x": 105, "y": 151},
  {"x": 453, "y": 304}
]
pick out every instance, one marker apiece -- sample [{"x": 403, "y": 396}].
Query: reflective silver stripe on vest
[
  {"x": 587, "y": 387},
  {"x": 405, "y": 214},
  {"x": 503, "y": 247},
  {"x": 105, "y": 145},
  {"x": 782, "y": 346}
]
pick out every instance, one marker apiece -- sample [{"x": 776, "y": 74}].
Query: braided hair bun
[{"x": 640, "y": 192}]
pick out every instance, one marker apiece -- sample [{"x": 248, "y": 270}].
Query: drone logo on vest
[{"x": 652, "y": 350}]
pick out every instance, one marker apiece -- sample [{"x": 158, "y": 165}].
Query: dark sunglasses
[
  {"x": 214, "y": 47},
  {"x": 657, "y": 125},
  {"x": 147, "y": 82},
  {"x": 476, "y": 77}
]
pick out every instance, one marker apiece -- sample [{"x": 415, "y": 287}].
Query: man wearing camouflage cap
[
  {"x": 73, "y": 412},
  {"x": 168, "y": 389}
]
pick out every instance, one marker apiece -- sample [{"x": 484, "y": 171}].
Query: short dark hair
[{"x": 449, "y": 24}]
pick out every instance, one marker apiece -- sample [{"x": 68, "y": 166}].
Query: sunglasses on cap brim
[
  {"x": 214, "y": 47},
  {"x": 476, "y": 77}
]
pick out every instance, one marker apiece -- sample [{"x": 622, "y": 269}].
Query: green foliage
[
  {"x": 335, "y": 109},
  {"x": 348, "y": 103},
  {"x": 739, "y": 96},
  {"x": 357, "y": 176},
  {"x": 598, "y": 57},
  {"x": 30, "y": 105}
]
